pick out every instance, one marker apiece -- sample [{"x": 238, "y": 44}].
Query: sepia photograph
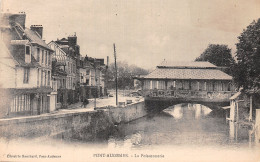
[{"x": 130, "y": 80}]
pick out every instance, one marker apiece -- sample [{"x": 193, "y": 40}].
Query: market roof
[
  {"x": 195, "y": 64},
  {"x": 163, "y": 73},
  {"x": 188, "y": 70}
]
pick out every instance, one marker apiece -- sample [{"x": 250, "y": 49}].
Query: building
[
  {"x": 92, "y": 77},
  {"x": 66, "y": 57},
  {"x": 25, "y": 68},
  {"x": 183, "y": 77},
  {"x": 75, "y": 75},
  {"x": 59, "y": 80},
  {"x": 243, "y": 106}
]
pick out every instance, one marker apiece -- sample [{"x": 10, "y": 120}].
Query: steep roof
[
  {"x": 20, "y": 58},
  {"x": 5, "y": 53},
  {"x": 34, "y": 38},
  {"x": 190, "y": 70},
  {"x": 11, "y": 54}
]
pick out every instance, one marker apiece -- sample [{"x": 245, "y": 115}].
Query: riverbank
[{"x": 75, "y": 122}]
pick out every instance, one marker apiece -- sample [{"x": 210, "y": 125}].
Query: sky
[{"x": 145, "y": 31}]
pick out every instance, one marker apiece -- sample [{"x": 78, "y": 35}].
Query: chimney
[
  {"x": 107, "y": 60},
  {"x": 18, "y": 18},
  {"x": 38, "y": 29},
  {"x": 72, "y": 40}
]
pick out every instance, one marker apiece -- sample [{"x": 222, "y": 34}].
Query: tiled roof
[
  {"x": 35, "y": 38},
  {"x": 171, "y": 73},
  {"x": 197, "y": 64},
  {"x": 21, "y": 60}
]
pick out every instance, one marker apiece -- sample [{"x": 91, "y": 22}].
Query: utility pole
[
  {"x": 116, "y": 73},
  {"x": 95, "y": 102}
]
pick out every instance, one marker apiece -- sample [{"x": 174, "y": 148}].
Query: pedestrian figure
[{"x": 85, "y": 102}]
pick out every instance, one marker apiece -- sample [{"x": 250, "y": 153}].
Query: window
[
  {"x": 38, "y": 54},
  {"x": 45, "y": 77},
  {"x": 27, "y": 50},
  {"x": 38, "y": 76},
  {"x": 49, "y": 75},
  {"x": 44, "y": 81},
  {"x": 42, "y": 56},
  {"x": 49, "y": 59},
  {"x": 68, "y": 67},
  {"x": 154, "y": 84},
  {"x": 41, "y": 78},
  {"x": 26, "y": 75},
  {"x": 87, "y": 71},
  {"x": 46, "y": 57},
  {"x": 161, "y": 84},
  {"x": 20, "y": 103},
  {"x": 64, "y": 83}
]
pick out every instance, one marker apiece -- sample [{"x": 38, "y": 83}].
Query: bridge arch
[{"x": 159, "y": 104}]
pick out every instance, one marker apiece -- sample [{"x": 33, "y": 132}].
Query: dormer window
[
  {"x": 27, "y": 54},
  {"x": 27, "y": 50}
]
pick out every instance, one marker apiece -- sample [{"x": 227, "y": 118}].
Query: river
[
  {"x": 184, "y": 132},
  {"x": 180, "y": 125}
]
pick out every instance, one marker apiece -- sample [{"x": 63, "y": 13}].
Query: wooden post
[
  {"x": 257, "y": 126},
  {"x": 251, "y": 108}
]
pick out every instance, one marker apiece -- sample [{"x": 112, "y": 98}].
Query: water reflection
[
  {"x": 180, "y": 125},
  {"x": 191, "y": 111}
]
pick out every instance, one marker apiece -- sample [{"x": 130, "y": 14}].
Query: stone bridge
[{"x": 157, "y": 100}]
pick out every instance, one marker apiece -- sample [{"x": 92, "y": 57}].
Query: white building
[{"x": 25, "y": 67}]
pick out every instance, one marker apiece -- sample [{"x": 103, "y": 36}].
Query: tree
[
  {"x": 125, "y": 75},
  {"x": 247, "y": 70},
  {"x": 219, "y": 55}
]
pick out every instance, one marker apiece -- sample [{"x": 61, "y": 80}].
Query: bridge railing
[{"x": 189, "y": 94}]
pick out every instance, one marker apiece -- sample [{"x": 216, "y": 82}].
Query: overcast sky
[{"x": 145, "y": 31}]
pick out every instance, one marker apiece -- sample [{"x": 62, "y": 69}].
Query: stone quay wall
[
  {"x": 86, "y": 125},
  {"x": 127, "y": 113}
]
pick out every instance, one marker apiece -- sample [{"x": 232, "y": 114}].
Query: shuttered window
[
  {"x": 161, "y": 84},
  {"x": 20, "y": 103},
  {"x": 154, "y": 84},
  {"x": 147, "y": 84}
]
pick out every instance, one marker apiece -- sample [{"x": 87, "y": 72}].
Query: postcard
[{"x": 111, "y": 80}]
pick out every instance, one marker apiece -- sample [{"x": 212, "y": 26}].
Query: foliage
[
  {"x": 125, "y": 74},
  {"x": 219, "y": 55},
  {"x": 247, "y": 70}
]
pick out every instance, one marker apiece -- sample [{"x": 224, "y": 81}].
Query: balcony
[{"x": 189, "y": 94}]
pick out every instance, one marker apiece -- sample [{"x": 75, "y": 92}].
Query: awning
[{"x": 31, "y": 90}]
